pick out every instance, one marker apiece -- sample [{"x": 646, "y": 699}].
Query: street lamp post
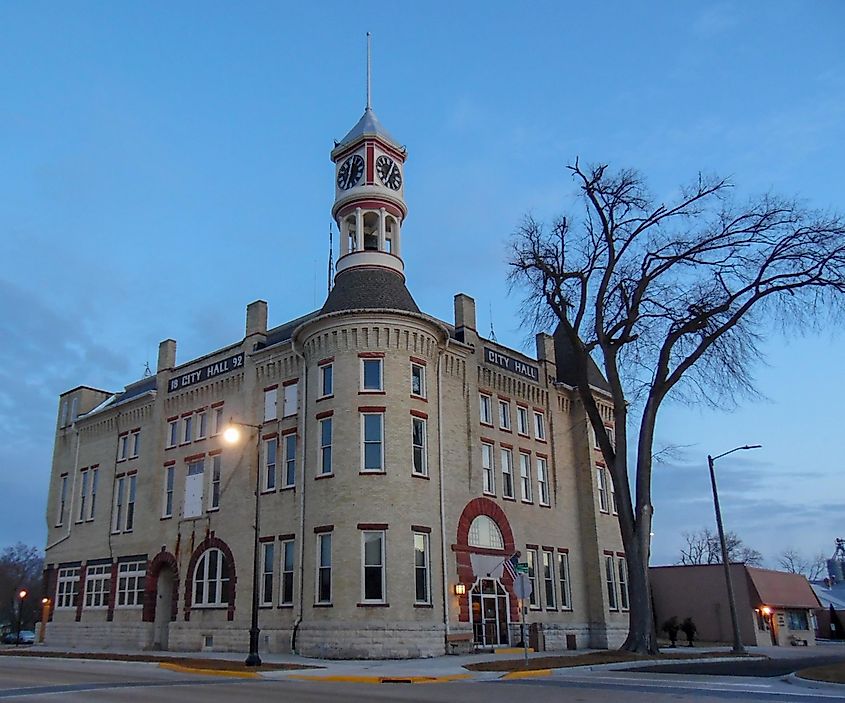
[
  {"x": 232, "y": 436},
  {"x": 45, "y": 616},
  {"x": 737, "y": 644},
  {"x": 21, "y": 595}
]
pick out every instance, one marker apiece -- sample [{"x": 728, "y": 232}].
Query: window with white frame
[
  {"x": 418, "y": 380},
  {"x": 422, "y": 570},
  {"x": 83, "y": 495},
  {"x": 87, "y": 493},
  {"x": 372, "y": 375},
  {"x": 610, "y": 581},
  {"x": 135, "y": 444},
  {"x": 484, "y": 532},
  {"x": 525, "y": 477},
  {"x": 539, "y": 426},
  {"x": 326, "y": 446},
  {"x": 270, "y": 449},
  {"x": 326, "y": 380},
  {"x": 418, "y": 446},
  {"x": 622, "y": 570},
  {"x": 118, "y": 513},
  {"x": 563, "y": 577},
  {"x": 290, "y": 400},
  {"x": 522, "y": 420},
  {"x": 506, "y": 456},
  {"x": 504, "y": 414},
  {"x": 487, "y": 470},
  {"x": 485, "y": 409},
  {"x": 67, "y": 587},
  {"x": 169, "y": 481},
  {"x": 324, "y": 567},
  {"x": 214, "y": 493},
  {"x": 268, "y": 557},
  {"x": 534, "y": 598},
  {"x": 123, "y": 447},
  {"x": 290, "y": 460},
  {"x": 92, "y": 497},
  {"x": 218, "y": 421},
  {"x": 194, "y": 478},
  {"x": 543, "y": 481},
  {"x": 601, "y": 483},
  {"x": 97, "y": 586},
  {"x": 372, "y": 442},
  {"x": 613, "y": 507},
  {"x": 130, "y": 583},
  {"x": 202, "y": 425},
  {"x": 286, "y": 594},
  {"x": 549, "y": 579},
  {"x": 60, "y": 511},
  {"x": 211, "y": 579},
  {"x": 131, "y": 486},
  {"x": 187, "y": 429},
  {"x": 270, "y": 403},
  {"x": 172, "y": 433},
  {"x": 372, "y": 546}
]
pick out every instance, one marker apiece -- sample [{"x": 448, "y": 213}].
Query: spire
[{"x": 369, "y": 69}]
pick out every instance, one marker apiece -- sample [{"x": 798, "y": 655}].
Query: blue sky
[{"x": 166, "y": 163}]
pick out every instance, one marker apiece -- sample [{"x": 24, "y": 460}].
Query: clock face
[
  {"x": 350, "y": 172},
  {"x": 388, "y": 172}
]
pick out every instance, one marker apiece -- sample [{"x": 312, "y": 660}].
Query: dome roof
[
  {"x": 369, "y": 289},
  {"x": 368, "y": 126}
]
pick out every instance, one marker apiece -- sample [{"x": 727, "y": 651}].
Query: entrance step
[{"x": 510, "y": 650}]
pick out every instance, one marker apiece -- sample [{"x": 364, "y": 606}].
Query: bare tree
[
  {"x": 20, "y": 567},
  {"x": 670, "y": 298},
  {"x": 794, "y": 562},
  {"x": 703, "y": 547}
]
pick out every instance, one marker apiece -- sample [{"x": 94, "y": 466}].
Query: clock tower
[{"x": 369, "y": 205}]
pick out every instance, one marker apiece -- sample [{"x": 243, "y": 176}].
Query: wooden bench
[{"x": 459, "y": 643}]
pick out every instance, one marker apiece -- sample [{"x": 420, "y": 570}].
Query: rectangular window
[
  {"x": 130, "y": 583},
  {"x": 122, "y": 447},
  {"x": 135, "y": 444},
  {"x": 270, "y": 447},
  {"x": 173, "y": 433},
  {"x": 218, "y": 420},
  {"x": 63, "y": 415},
  {"x": 525, "y": 477},
  {"x": 202, "y": 425},
  {"x": 418, "y": 380},
  {"x": 622, "y": 568},
  {"x": 270, "y": 404},
  {"x": 97, "y": 586},
  {"x": 169, "y": 480},
  {"x": 118, "y": 513},
  {"x": 290, "y": 460},
  {"x": 507, "y": 473},
  {"x": 539, "y": 426},
  {"x": 60, "y": 516},
  {"x": 610, "y": 580},
  {"x": 187, "y": 429},
  {"x": 601, "y": 481},
  {"x": 216, "y": 465},
  {"x": 326, "y": 380},
  {"x": 522, "y": 420},
  {"x": 422, "y": 575},
  {"x": 371, "y": 375},
  {"x": 372, "y": 450},
  {"x": 418, "y": 446},
  {"x": 74, "y": 409},
  {"x": 193, "y": 503},
  {"x": 291, "y": 399},
  {"x": 613, "y": 507},
  {"x": 563, "y": 576},
  {"x": 534, "y": 599},
  {"x": 83, "y": 494},
  {"x": 67, "y": 587},
  {"x": 485, "y": 409},
  {"x": 326, "y": 446},
  {"x": 372, "y": 545},
  {"x": 267, "y": 562},
  {"x": 797, "y": 620},
  {"x": 549, "y": 579},
  {"x": 92, "y": 500},
  {"x": 504, "y": 415},
  {"x": 543, "y": 481},
  {"x": 324, "y": 568},
  {"x": 130, "y": 503},
  {"x": 286, "y": 595},
  {"x": 488, "y": 476}
]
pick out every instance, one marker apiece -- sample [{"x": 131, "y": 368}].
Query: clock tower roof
[{"x": 367, "y": 126}]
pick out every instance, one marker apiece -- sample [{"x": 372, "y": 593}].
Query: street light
[
  {"x": 737, "y": 645},
  {"x": 232, "y": 435},
  {"x": 21, "y": 595},
  {"x": 45, "y": 616}
]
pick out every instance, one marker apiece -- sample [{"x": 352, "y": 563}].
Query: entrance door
[
  {"x": 164, "y": 605},
  {"x": 489, "y": 603}
]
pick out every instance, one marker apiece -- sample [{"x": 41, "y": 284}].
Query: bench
[
  {"x": 797, "y": 641},
  {"x": 459, "y": 643}
]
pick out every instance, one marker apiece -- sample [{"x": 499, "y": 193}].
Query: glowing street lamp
[{"x": 22, "y": 594}]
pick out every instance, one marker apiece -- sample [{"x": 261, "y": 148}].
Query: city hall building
[{"x": 402, "y": 461}]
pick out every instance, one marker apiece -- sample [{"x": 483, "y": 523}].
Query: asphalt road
[
  {"x": 32, "y": 680},
  {"x": 771, "y": 667}
]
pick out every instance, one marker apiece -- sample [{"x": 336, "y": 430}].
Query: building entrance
[
  {"x": 489, "y": 603},
  {"x": 164, "y": 600}
]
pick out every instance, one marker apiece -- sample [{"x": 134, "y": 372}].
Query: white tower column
[
  {"x": 359, "y": 229},
  {"x": 382, "y": 226}
]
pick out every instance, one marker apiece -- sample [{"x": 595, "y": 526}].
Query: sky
[{"x": 164, "y": 164}]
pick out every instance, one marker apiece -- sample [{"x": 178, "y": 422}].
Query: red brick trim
[
  {"x": 288, "y": 536},
  {"x": 80, "y": 592},
  {"x": 370, "y": 355},
  {"x": 271, "y": 388},
  {"x": 542, "y": 456},
  {"x": 194, "y": 457},
  {"x": 290, "y": 382},
  {"x": 323, "y": 528},
  {"x": 188, "y": 414},
  {"x": 211, "y": 542},
  {"x": 504, "y": 445},
  {"x": 324, "y": 414},
  {"x": 289, "y": 430},
  {"x": 215, "y": 452},
  {"x": 371, "y": 408},
  {"x": 218, "y": 404},
  {"x": 269, "y": 538},
  {"x": 421, "y": 528},
  {"x": 270, "y": 435},
  {"x": 565, "y": 550},
  {"x": 327, "y": 360},
  {"x": 172, "y": 462},
  {"x": 373, "y": 605},
  {"x": 171, "y": 419},
  {"x": 419, "y": 413},
  {"x": 372, "y": 525},
  {"x": 506, "y": 398},
  {"x": 112, "y": 593},
  {"x": 419, "y": 362},
  {"x": 123, "y": 434},
  {"x": 487, "y": 440}
]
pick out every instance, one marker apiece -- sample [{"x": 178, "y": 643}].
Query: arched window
[
  {"x": 211, "y": 579},
  {"x": 483, "y": 532}
]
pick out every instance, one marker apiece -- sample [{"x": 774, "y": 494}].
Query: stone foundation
[{"x": 392, "y": 641}]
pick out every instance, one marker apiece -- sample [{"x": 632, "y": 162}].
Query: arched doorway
[
  {"x": 165, "y": 585},
  {"x": 161, "y": 595}
]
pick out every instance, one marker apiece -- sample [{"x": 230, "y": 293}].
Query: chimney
[
  {"x": 464, "y": 312},
  {"x": 256, "y": 318},
  {"x": 166, "y": 355},
  {"x": 545, "y": 347}
]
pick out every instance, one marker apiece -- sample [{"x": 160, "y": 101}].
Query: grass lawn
[{"x": 832, "y": 673}]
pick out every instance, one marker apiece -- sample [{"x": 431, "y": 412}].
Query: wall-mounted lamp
[
  {"x": 460, "y": 589},
  {"x": 766, "y": 610}
]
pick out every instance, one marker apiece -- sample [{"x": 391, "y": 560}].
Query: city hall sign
[{"x": 491, "y": 356}]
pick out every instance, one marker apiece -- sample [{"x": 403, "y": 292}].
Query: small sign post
[{"x": 523, "y": 588}]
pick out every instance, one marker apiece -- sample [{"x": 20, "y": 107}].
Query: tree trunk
[{"x": 642, "y": 636}]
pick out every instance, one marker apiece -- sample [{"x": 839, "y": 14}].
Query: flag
[
  {"x": 510, "y": 566},
  {"x": 486, "y": 566}
]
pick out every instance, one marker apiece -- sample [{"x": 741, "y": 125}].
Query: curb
[
  {"x": 342, "y": 678},
  {"x": 797, "y": 680},
  {"x": 209, "y": 672},
  {"x": 530, "y": 674}
]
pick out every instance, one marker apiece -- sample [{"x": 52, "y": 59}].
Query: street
[{"x": 78, "y": 681}]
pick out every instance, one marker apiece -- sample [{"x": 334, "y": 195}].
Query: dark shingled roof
[
  {"x": 565, "y": 362},
  {"x": 282, "y": 333},
  {"x": 369, "y": 289},
  {"x": 133, "y": 390}
]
